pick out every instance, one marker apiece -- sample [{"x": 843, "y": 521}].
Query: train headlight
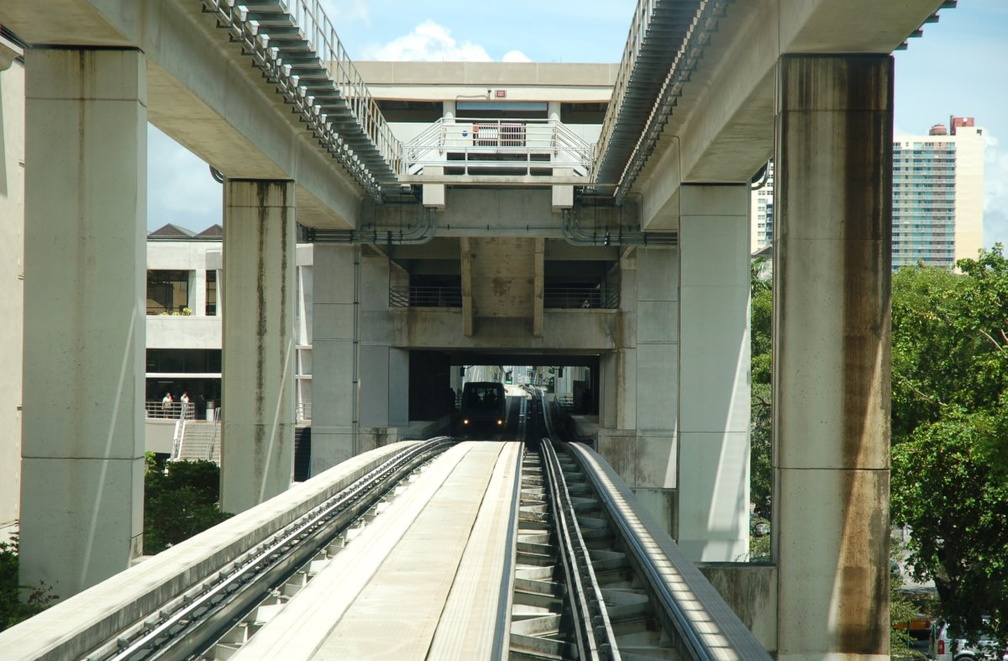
[
  {"x": 465, "y": 422},
  {"x": 500, "y": 422}
]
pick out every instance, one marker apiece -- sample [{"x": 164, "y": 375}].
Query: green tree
[
  {"x": 760, "y": 469},
  {"x": 180, "y": 500},
  {"x": 18, "y": 602},
  {"x": 950, "y": 433},
  {"x": 956, "y": 504}
]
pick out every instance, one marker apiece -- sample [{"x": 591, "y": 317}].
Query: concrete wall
[
  {"x": 11, "y": 278},
  {"x": 751, "y": 591}
]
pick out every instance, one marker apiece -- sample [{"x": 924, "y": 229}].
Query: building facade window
[
  {"x": 167, "y": 292},
  {"x": 211, "y": 293}
]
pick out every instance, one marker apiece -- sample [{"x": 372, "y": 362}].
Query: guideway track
[
  {"x": 529, "y": 551},
  {"x": 209, "y": 597},
  {"x": 657, "y": 604},
  {"x": 198, "y": 622}
]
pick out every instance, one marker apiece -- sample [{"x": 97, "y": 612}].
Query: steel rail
[
  {"x": 240, "y": 587},
  {"x": 722, "y": 636},
  {"x": 594, "y": 633}
]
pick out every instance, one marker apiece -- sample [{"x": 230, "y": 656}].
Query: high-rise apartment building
[{"x": 937, "y": 197}]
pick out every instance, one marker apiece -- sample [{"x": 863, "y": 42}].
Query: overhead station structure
[{"x": 468, "y": 213}]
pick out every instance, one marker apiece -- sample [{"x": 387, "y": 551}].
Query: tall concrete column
[
  {"x": 831, "y": 342},
  {"x": 335, "y": 323},
  {"x": 383, "y": 369},
  {"x": 257, "y": 444},
  {"x": 12, "y": 92},
  {"x": 84, "y": 333},
  {"x": 638, "y": 415},
  {"x": 713, "y": 521}
]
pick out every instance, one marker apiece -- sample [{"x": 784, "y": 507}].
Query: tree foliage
[
  {"x": 18, "y": 602},
  {"x": 179, "y": 501},
  {"x": 760, "y": 469},
  {"x": 950, "y": 434}
]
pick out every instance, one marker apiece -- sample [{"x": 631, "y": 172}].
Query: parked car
[
  {"x": 944, "y": 648},
  {"x": 918, "y": 627}
]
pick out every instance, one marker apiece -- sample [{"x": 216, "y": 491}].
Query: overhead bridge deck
[{"x": 442, "y": 549}]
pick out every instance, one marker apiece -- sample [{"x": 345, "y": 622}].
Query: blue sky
[{"x": 954, "y": 69}]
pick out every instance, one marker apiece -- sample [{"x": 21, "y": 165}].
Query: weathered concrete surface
[
  {"x": 85, "y": 236},
  {"x": 639, "y": 412},
  {"x": 334, "y": 337},
  {"x": 721, "y": 129},
  {"x": 257, "y": 438},
  {"x": 831, "y": 356},
  {"x": 751, "y": 591},
  {"x": 714, "y": 373},
  {"x": 12, "y": 81},
  {"x": 203, "y": 93}
]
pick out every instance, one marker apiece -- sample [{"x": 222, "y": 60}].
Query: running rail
[{"x": 596, "y": 640}]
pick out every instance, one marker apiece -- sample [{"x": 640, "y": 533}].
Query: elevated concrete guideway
[
  {"x": 203, "y": 92},
  {"x": 657, "y": 236},
  {"x": 717, "y": 126}
]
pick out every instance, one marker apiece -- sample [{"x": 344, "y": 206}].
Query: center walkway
[{"x": 428, "y": 579}]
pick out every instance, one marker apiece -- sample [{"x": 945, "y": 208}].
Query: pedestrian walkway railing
[
  {"x": 174, "y": 410},
  {"x": 499, "y": 146},
  {"x": 580, "y": 297},
  {"x": 423, "y": 296}
]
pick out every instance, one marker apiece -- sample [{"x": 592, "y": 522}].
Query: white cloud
[
  {"x": 428, "y": 42},
  {"x": 995, "y": 192},
  {"x": 515, "y": 56}
]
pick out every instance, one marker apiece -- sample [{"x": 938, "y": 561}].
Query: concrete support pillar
[
  {"x": 84, "y": 332},
  {"x": 334, "y": 354},
  {"x": 257, "y": 444},
  {"x": 383, "y": 369},
  {"x": 713, "y": 521},
  {"x": 538, "y": 287},
  {"x": 12, "y": 99},
  {"x": 831, "y": 356},
  {"x": 638, "y": 415},
  {"x": 468, "y": 311}
]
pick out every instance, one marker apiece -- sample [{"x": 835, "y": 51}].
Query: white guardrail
[{"x": 494, "y": 144}]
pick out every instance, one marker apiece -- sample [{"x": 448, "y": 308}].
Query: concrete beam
[
  {"x": 721, "y": 130},
  {"x": 204, "y": 94}
]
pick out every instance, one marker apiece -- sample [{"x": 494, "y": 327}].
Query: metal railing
[
  {"x": 605, "y": 298},
  {"x": 534, "y": 145},
  {"x": 297, "y": 49},
  {"x": 642, "y": 16},
  {"x": 663, "y": 49},
  {"x": 420, "y": 296},
  {"x": 172, "y": 410}
]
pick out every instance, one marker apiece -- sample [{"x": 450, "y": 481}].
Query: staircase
[{"x": 200, "y": 441}]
